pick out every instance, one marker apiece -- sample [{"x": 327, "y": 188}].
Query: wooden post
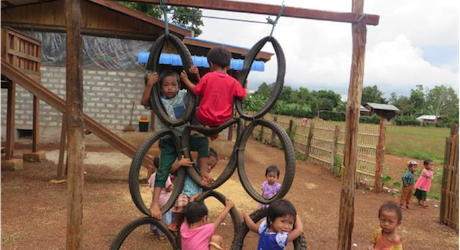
[
  {"x": 230, "y": 132},
  {"x": 10, "y": 121},
  {"x": 152, "y": 119},
  {"x": 380, "y": 154},
  {"x": 347, "y": 196},
  {"x": 35, "y": 124},
  {"x": 62, "y": 147},
  {"x": 75, "y": 124},
  {"x": 334, "y": 146},
  {"x": 311, "y": 133},
  {"x": 291, "y": 126},
  {"x": 272, "y": 138}
]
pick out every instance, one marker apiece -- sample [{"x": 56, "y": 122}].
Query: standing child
[
  {"x": 282, "y": 226},
  {"x": 270, "y": 187},
  {"x": 164, "y": 197},
  {"x": 190, "y": 192},
  {"x": 408, "y": 180},
  {"x": 386, "y": 237},
  {"x": 196, "y": 232},
  {"x": 173, "y": 100},
  {"x": 423, "y": 184},
  {"x": 216, "y": 88}
]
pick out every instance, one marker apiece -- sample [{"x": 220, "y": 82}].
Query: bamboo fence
[{"x": 322, "y": 143}]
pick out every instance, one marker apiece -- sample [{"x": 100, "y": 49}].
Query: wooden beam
[
  {"x": 35, "y": 124},
  {"x": 380, "y": 154},
  {"x": 268, "y": 9},
  {"x": 347, "y": 196},
  {"x": 75, "y": 125},
  {"x": 62, "y": 148},
  {"x": 10, "y": 113}
]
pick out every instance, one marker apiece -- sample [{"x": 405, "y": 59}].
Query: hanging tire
[
  {"x": 281, "y": 60},
  {"x": 289, "y": 156},
  {"x": 126, "y": 231},
  {"x": 236, "y": 218},
  {"x": 299, "y": 244},
  {"x": 153, "y": 65},
  {"x": 135, "y": 168},
  {"x": 231, "y": 165}
]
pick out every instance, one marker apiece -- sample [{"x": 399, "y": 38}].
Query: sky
[{"x": 416, "y": 42}]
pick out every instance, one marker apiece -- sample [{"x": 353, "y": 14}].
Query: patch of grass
[
  {"x": 17, "y": 188},
  {"x": 56, "y": 196},
  {"x": 416, "y": 142},
  {"x": 8, "y": 239}
]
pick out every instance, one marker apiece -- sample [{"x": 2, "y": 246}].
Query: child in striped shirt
[{"x": 408, "y": 180}]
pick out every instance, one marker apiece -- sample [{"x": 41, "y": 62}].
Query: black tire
[
  {"x": 289, "y": 156},
  {"x": 236, "y": 218},
  {"x": 136, "y": 167},
  {"x": 153, "y": 64},
  {"x": 299, "y": 244},
  {"x": 139, "y": 222},
  {"x": 231, "y": 165},
  {"x": 281, "y": 60}
]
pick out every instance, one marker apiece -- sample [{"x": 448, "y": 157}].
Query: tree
[
  {"x": 372, "y": 94},
  {"x": 183, "y": 16},
  {"x": 417, "y": 101},
  {"x": 442, "y": 101}
]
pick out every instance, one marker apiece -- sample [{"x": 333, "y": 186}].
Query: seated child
[
  {"x": 282, "y": 226},
  {"x": 216, "y": 88},
  {"x": 423, "y": 184},
  {"x": 408, "y": 180},
  {"x": 191, "y": 190},
  {"x": 386, "y": 237},
  {"x": 164, "y": 197},
  {"x": 270, "y": 187},
  {"x": 173, "y": 100},
  {"x": 196, "y": 232}
]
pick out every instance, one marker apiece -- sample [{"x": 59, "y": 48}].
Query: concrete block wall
[{"x": 108, "y": 98}]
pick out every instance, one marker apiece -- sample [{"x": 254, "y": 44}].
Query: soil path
[{"x": 34, "y": 211}]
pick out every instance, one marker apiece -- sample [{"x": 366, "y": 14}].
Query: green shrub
[
  {"x": 406, "y": 121},
  {"x": 373, "y": 119}
]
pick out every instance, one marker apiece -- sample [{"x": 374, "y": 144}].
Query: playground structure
[
  {"x": 75, "y": 116},
  {"x": 448, "y": 213}
]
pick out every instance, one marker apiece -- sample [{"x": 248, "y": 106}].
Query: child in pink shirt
[
  {"x": 423, "y": 184},
  {"x": 216, "y": 88},
  {"x": 196, "y": 232}
]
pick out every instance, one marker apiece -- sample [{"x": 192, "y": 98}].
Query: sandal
[{"x": 162, "y": 237}]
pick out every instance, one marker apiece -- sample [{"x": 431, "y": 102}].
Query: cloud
[{"x": 318, "y": 53}]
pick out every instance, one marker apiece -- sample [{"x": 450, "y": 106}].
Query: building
[
  {"x": 386, "y": 111},
  {"x": 113, "y": 35},
  {"x": 430, "y": 119}
]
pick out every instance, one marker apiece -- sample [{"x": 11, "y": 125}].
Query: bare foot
[
  {"x": 173, "y": 227},
  {"x": 155, "y": 211},
  {"x": 213, "y": 137}
]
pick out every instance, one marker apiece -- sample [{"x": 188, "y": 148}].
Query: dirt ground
[{"x": 33, "y": 211}]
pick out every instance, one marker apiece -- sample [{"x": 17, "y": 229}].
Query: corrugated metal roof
[
  {"x": 428, "y": 117},
  {"x": 199, "y": 61},
  {"x": 383, "y": 106},
  {"x": 363, "y": 109}
]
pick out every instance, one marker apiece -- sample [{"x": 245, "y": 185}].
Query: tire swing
[
  {"x": 153, "y": 65},
  {"x": 289, "y": 157},
  {"x": 136, "y": 167},
  {"x": 231, "y": 165},
  {"x": 299, "y": 244},
  {"x": 117, "y": 243},
  {"x": 248, "y": 61}
]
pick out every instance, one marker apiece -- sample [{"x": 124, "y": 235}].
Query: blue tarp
[{"x": 199, "y": 61}]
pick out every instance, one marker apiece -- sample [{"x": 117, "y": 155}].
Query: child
[
  {"x": 386, "y": 237},
  {"x": 164, "y": 196},
  {"x": 216, "y": 88},
  {"x": 408, "y": 180},
  {"x": 278, "y": 229},
  {"x": 190, "y": 192},
  {"x": 270, "y": 187},
  {"x": 196, "y": 232},
  {"x": 423, "y": 185},
  {"x": 173, "y": 100}
]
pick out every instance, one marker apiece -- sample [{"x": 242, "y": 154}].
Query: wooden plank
[
  {"x": 10, "y": 113},
  {"x": 319, "y": 159},
  {"x": 334, "y": 145},
  {"x": 267, "y": 9},
  {"x": 23, "y": 55},
  {"x": 62, "y": 148},
  {"x": 380, "y": 154},
  {"x": 35, "y": 123},
  {"x": 347, "y": 196},
  {"x": 310, "y": 136},
  {"x": 272, "y": 137},
  {"x": 75, "y": 124}
]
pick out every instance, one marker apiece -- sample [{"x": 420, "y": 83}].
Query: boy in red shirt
[{"x": 216, "y": 88}]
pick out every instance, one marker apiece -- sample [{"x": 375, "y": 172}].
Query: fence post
[
  {"x": 379, "y": 157},
  {"x": 291, "y": 125},
  {"x": 230, "y": 133},
  {"x": 310, "y": 136},
  {"x": 272, "y": 139},
  {"x": 334, "y": 146}
]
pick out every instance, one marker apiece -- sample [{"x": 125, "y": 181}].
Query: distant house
[
  {"x": 386, "y": 111},
  {"x": 364, "y": 111},
  {"x": 430, "y": 119}
]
